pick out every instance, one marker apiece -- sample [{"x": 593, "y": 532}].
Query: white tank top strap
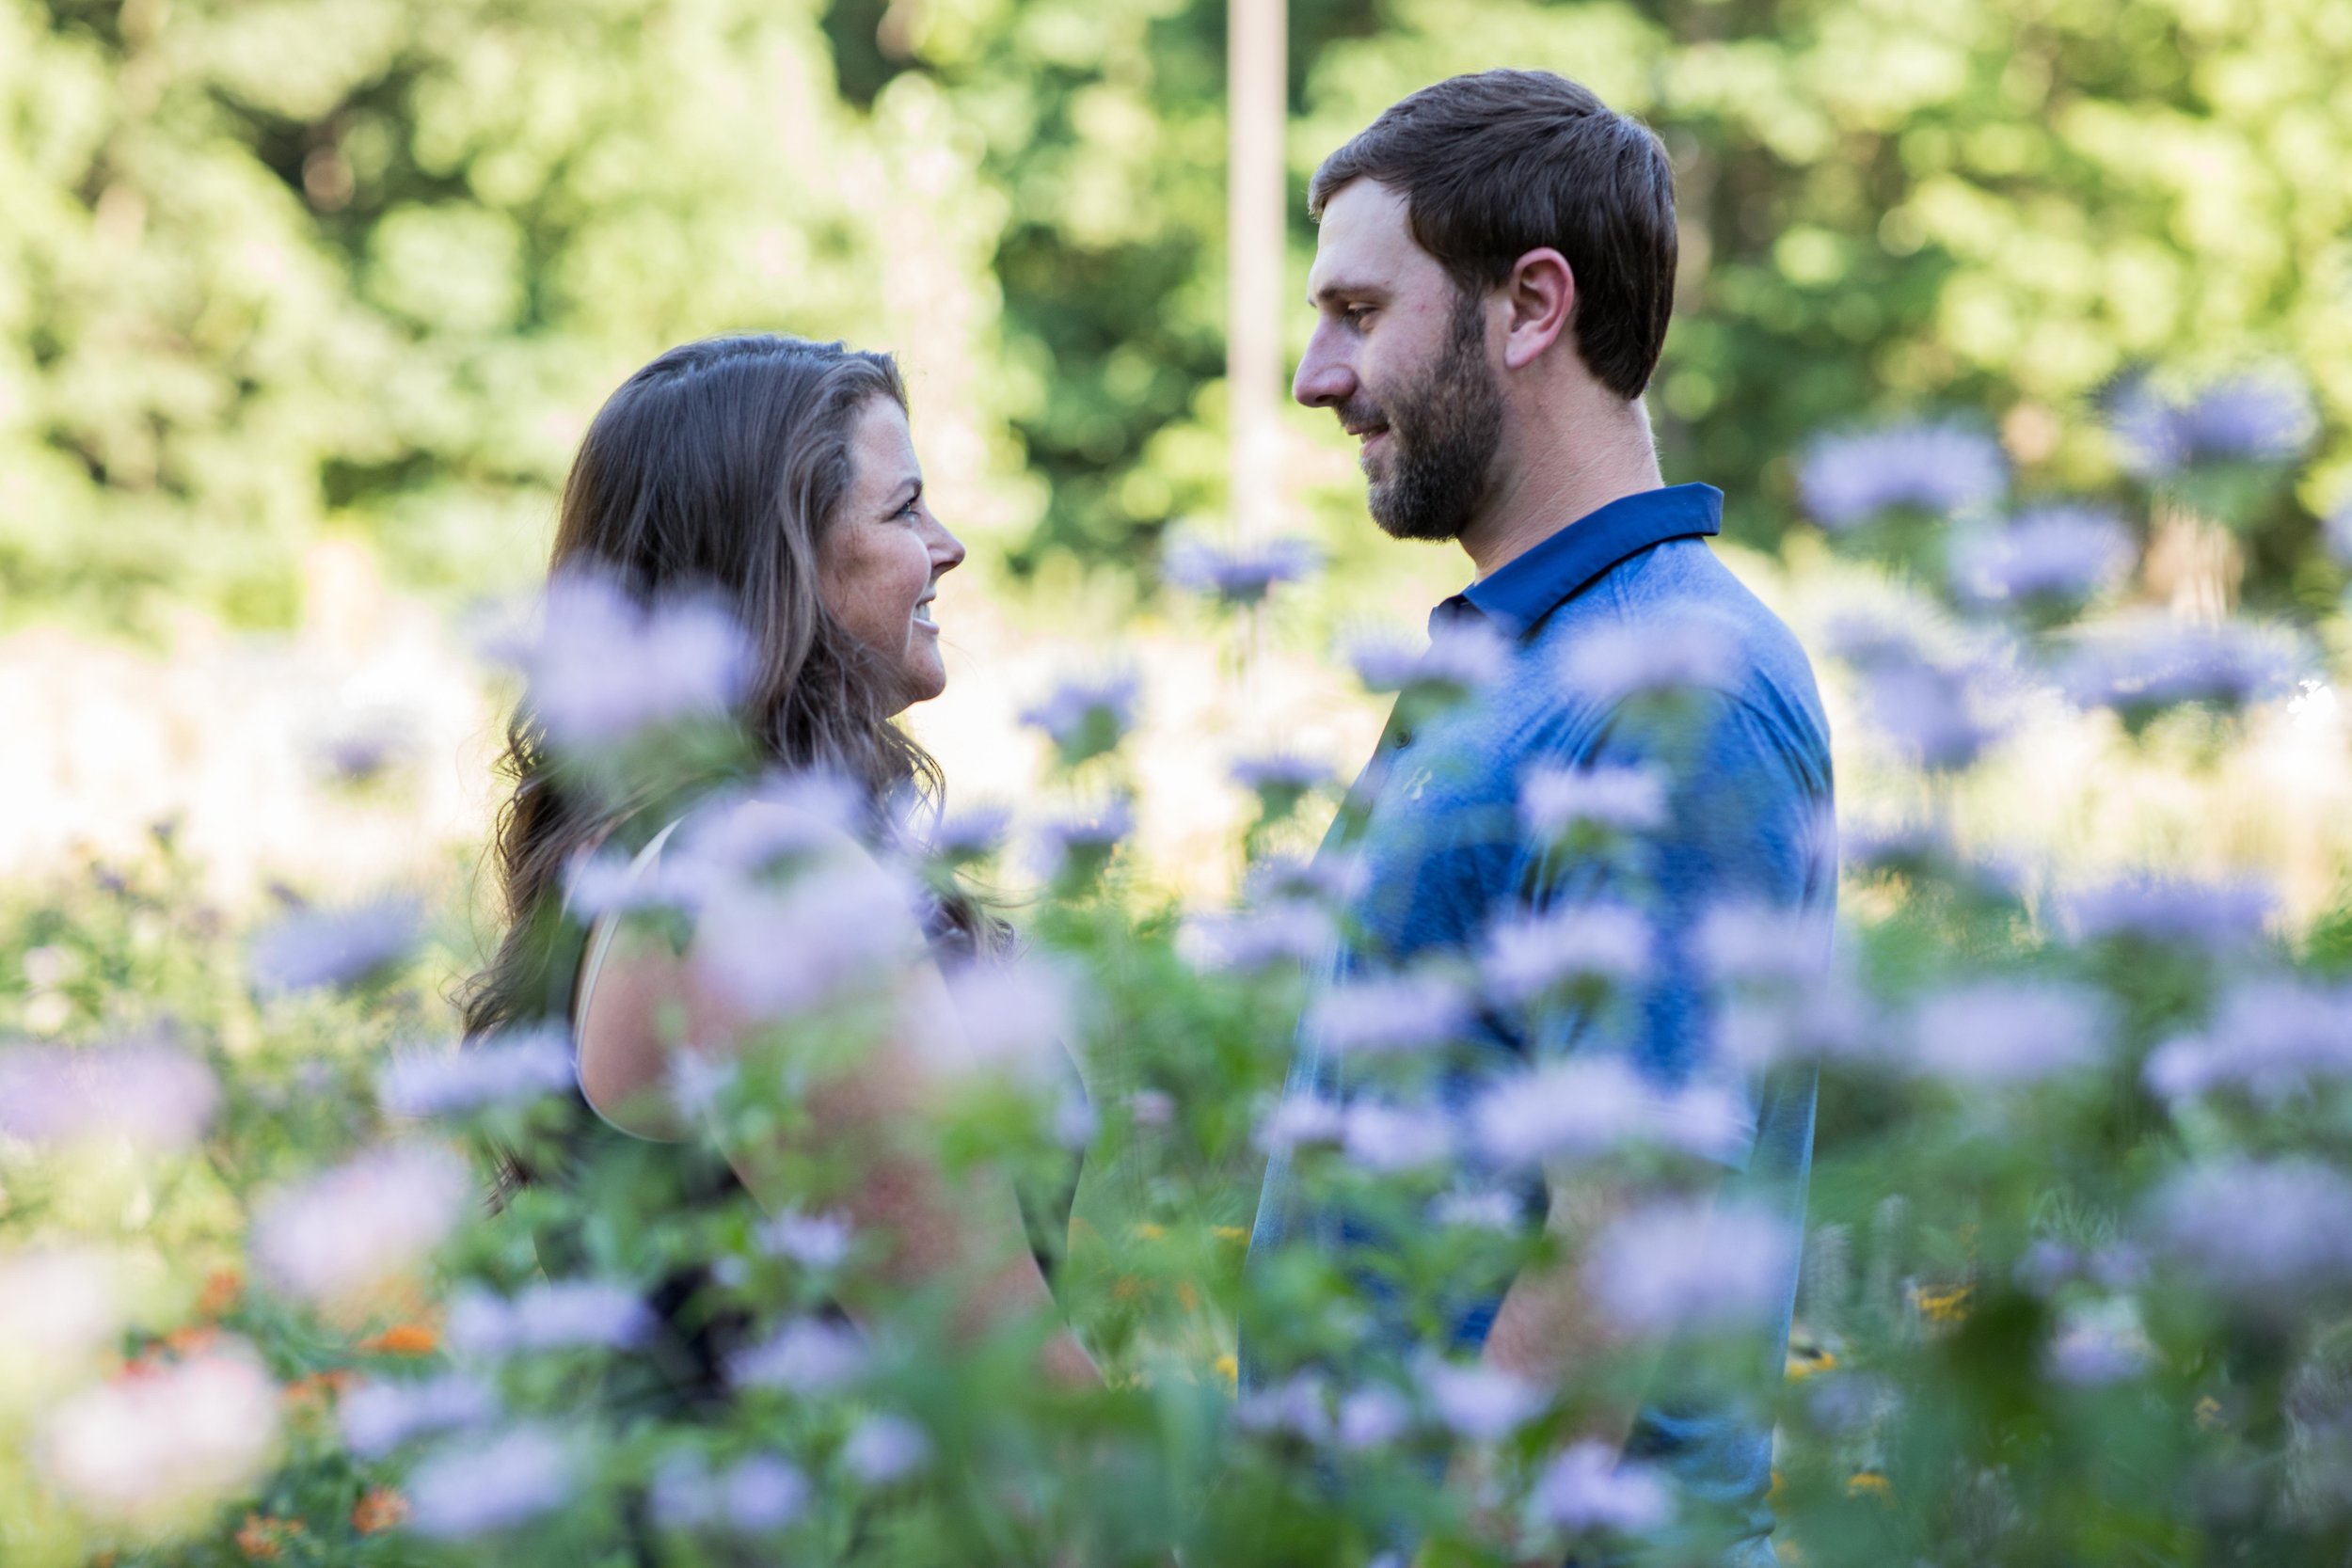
[{"x": 600, "y": 942}]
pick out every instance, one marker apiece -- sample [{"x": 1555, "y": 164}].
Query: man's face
[{"x": 1400, "y": 355}]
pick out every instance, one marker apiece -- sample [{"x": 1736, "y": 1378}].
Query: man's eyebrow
[{"x": 1340, "y": 289}]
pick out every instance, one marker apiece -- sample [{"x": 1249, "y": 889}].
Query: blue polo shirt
[{"x": 1434, "y": 829}]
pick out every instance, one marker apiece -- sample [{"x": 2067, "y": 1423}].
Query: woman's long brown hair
[{"x": 718, "y": 468}]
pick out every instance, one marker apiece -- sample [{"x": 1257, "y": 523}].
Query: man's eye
[{"x": 1358, "y": 315}]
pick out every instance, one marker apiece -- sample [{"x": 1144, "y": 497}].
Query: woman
[{"x": 779, "y": 474}]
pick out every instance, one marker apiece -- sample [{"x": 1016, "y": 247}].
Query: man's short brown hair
[{"x": 1496, "y": 165}]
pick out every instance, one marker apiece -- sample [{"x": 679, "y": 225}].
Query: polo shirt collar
[{"x": 1531, "y": 585}]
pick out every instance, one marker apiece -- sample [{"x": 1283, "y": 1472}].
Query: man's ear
[{"x": 1541, "y": 294}]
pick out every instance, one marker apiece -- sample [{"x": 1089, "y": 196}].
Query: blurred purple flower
[
  {"x": 1573, "y": 1109},
  {"x": 313, "y": 947},
  {"x": 1759, "y": 944},
  {"x": 972, "y": 833},
  {"x": 1486, "y": 1209},
  {"x": 1086, "y": 715},
  {"x": 807, "y": 1355},
  {"x": 2335, "y": 531},
  {"x": 884, "y": 1448},
  {"x": 1242, "y": 575},
  {"x": 1331, "y": 877},
  {"x": 1479, "y": 1402},
  {"x": 762, "y": 1495},
  {"x": 1552, "y": 801},
  {"x": 1299, "y": 1406},
  {"x": 562, "y": 1314},
  {"x": 1831, "y": 1021},
  {"x": 1389, "y": 1138},
  {"x": 1526, "y": 959},
  {"x": 2161, "y": 909},
  {"x": 513, "y": 1066},
  {"x": 1286, "y": 931},
  {"x": 776, "y": 951},
  {"x": 2147, "y": 665},
  {"x": 1371, "y": 1417},
  {"x": 2263, "y": 417},
  {"x": 1676, "y": 1266},
  {"x": 1151, "y": 1108},
  {"x": 2270, "y": 1037},
  {"x": 1994, "y": 1032},
  {"x": 158, "y": 1097},
  {"x": 812, "y": 1241},
  {"x": 1389, "y": 1014},
  {"x": 2100, "y": 1345},
  {"x": 1015, "y": 1014},
  {"x": 1083, "y": 836},
  {"x": 1075, "y": 1121},
  {"x": 1928, "y": 711},
  {"x": 1938, "y": 468},
  {"x": 471, "y": 1491},
  {"x": 335, "y": 1240},
  {"x": 1280, "y": 772},
  {"x": 1461, "y": 657},
  {"x": 1618, "y": 660},
  {"x": 1590, "y": 1488},
  {"x": 380, "y": 1414},
  {"x": 1302, "y": 1120},
  {"x": 2058, "y": 555},
  {"x": 601, "y": 667},
  {"x": 2257, "y": 1233}
]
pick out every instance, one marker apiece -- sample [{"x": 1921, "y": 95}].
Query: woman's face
[{"x": 882, "y": 556}]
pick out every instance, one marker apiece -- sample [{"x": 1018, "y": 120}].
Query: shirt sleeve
[{"x": 1744, "y": 830}]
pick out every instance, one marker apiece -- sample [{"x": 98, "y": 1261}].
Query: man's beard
[{"x": 1443, "y": 436}]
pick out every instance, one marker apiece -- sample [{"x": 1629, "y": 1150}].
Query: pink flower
[{"x": 168, "y": 1444}]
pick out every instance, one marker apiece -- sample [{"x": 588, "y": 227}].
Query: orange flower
[
  {"x": 318, "y": 1389},
  {"x": 1867, "y": 1483},
  {"x": 379, "y": 1509},
  {"x": 263, "y": 1535},
  {"x": 402, "y": 1339},
  {"x": 190, "y": 1340},
  {"x": 222, "y": 1287}
]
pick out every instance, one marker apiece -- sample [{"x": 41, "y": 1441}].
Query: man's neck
[{"x": 1563, "y": 471}]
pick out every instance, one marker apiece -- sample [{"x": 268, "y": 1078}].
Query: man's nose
[{"x": 1324, "y": 379}]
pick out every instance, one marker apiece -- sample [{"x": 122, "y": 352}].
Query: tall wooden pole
[{"x": 1257, "y": 108}]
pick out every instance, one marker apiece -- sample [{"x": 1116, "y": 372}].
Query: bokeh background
[{"x": 304, "y": 304}]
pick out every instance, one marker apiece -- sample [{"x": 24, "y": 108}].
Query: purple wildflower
[
  {"x": 1286, "y": 931},
  {"x": 812, "y": 1241},
  {"x": 1462, "y": 657},
  {"x": 1554, "y": 801},
  {"x": 471, "y": 1491},
  {"x": 1590, "y": 1488},
  {"x": 1086, "y": 715},
  {"x": 1075, "y": 1121},
  {"x": 1299, "y": 1406},
  {"x": 1994, "y": 1032},
  {"x": 1151, "y": 1108},
  {"x": 1391, "y": 1138},
  {"x": 762, "y": 1495},
  {"x": 1386, "y": 1015},
  {"x": 2259, "y": 1232},
  {"x": 1330, "y": 878},
  {"x": 1371, "y": 1417},
  {"x": 158, "y": 1098},
  {"x": 2146, "y": 666},
  {"x": 972, "y": 833},
  {"x": 2336, "y": 532},
  {"x": 1678, "y": 1266},
  {"x": 1937, "y": 469},
  {"x": 1928, "y": 710},
  {"x": 1758, "y": 944},
  {"x": 2057, "y": 556},
  {"x": 885, "y": 1447},
  {"x": 2172, "y": 911},
  {"x": 1827, "y": 1022},
  {"x": 379, "y": 1415},
  {"x": 2243, "y": 419},
  {"x": 805, "y": 1357},
  {"x": 1485, "y": 1209},
  {"x": 776, "y": 951},
  {"x": 310, "y": 948},
  {"x": 516, "y": 1066},
  {"x": 1242, "y": 575},
  {"x": 1015, "y": 1014},
  {"x": 601, "y": 667},
  {"x": 1480, "y": 1403},
  {"x": 1083, "y": 837},
  {"x": 1619, "y": 661},
  {"x": 2271, "y": 1038},
  {"x": 1302, "y": 1120},
  {"x": 562, "y": 1314},
  {"x": 2100, "y": 1345},
  {"x": 1573, "y": 1109},
  {"x": 1599, "y": 944},
  {"x": 1280, "y": 773},
  {"x": 340, "y": 1238}
]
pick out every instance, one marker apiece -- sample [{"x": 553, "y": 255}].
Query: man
[{"x": 1492, "y": 281}]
